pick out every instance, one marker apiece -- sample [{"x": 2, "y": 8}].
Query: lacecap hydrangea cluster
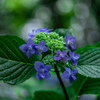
[{"x": 55, "y": 51}]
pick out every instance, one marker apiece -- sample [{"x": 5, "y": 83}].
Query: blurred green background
[{"x": 20, "y": 17}]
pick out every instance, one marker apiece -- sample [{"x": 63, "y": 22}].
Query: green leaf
[
  {"x": 15, "y": 67},
  {"x": 88, "y": 47},
  {"x": 88, "y": 65},
  {"x": 48, "y": 95},
  {"x": 85, "y": 85},
  {"x": 89, "y": 62},
  {"x": 63, "y": 32}
]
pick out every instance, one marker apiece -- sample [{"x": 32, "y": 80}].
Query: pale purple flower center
[
  {"x": 61, "y": 55},
  {"x": 42, "y": 70},
  {"x": 30, "y": 48},
  {"x": 69, "y": 42},
  {"x": 40, "y": 49}
]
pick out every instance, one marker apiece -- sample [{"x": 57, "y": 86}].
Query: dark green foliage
[
  {"x": 89, "y": 62},
  {"x": 85, "y": 85},
  {"x": 89, "y": 66},
  {"x": 15, "y": 67},
  {"x": 47, "y": 95}
]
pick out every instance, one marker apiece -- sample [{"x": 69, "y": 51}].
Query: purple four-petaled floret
[
  {"x": 33, "y": 34},
  {"x": 42, "y": 71},
  {"x": 41, "y": 47},
  {"x": 67, "y": 74},
  {"x": 46, "y": 30},
  {"x": 28, "y": 48},
  {"x": 61, "y": 56},
  {"x": 70, "y": 42},
  {"x": 73, "y": 57}
]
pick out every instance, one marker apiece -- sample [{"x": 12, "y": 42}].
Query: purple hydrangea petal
[
  {"x": 23, "y": 48},
  {"x": 38, "y": 76},
  {"x": 42, "y": 43},
  {"x": 73, "y": 39},
  {"x": 45, "y": 30},
  {"x": 35, "y": 46},
  {"x": 65, "y": 75},
  {"x": 68, "y": 58},
  {"x": 74, "y": 62},
  {"x": 64, "y": 59},
  {"x": 32, "y": 51},
  {"x": 57, "y": 58},
  {"x": 70, "y": 75},
  {"x": 50, "y": 30},
  {"x": 38, "y": 52},
  {"x": 48, "y": 67},
  {"x": 38, "y": 65},
  {"x": 33, "y": 31},
  {"x": 28, "y": 54},
  {"x": 38, "y": 49},
  {"x": 70, "y": 53},
  {"x": 74, "y": 77},
  {"x": 45, "y": 49},
  {"x": 31, "y": 35},
  {"x": 68, "y": 69},
  {"x": 74, "y": 72},
  {"x": 30, "y": 42},
  {"x": 76, "y": 56},
  {"x": 58, "y": 52},
  {"x": 70, "y": 42},
  {"x": 48, "y": 76},
  {"x": 65, "y": 52},
  {"x": 70, "y": 79},
  {"x": 42, "y": 74},
  {"x": 73, "y": 46},
  {"x": 38, "y": 30},
  {"x": 67, "y": 37}
]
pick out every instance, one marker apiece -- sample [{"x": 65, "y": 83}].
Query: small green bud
[{"x": 52, "y": 40}]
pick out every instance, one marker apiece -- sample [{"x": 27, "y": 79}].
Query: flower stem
[{"x": 61, "y": 83}]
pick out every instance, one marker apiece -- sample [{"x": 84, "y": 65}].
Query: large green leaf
[
  {"x": 88, "y": 47},
  {"x": 89, "y": 66},
  {"x": 15, "y": 67},
  {"x": 63, "y": 32},
  {"x": 85, "y": 85},
  {"x": 48, "y": 95},
  {"x": 89, "y": 61}
]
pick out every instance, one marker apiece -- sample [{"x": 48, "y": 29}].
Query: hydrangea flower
[
  {"x": 61, "y": 55},
  {"x": 73, "y": 57},
  {"x": 45, "y": 30},
  {"x": 41, "y": 47},
  {"x": 42, "y": 71},
  {"x": 70, "y": 42},
  {"x": 31, "y": 35},
  {"x": 28, "y": 48},
  {"x": 67, "y": 74}
]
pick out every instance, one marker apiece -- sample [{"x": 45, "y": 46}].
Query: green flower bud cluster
[
  {"x": 48, "y": 60},
  {"x": 52, "y": 40}
]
